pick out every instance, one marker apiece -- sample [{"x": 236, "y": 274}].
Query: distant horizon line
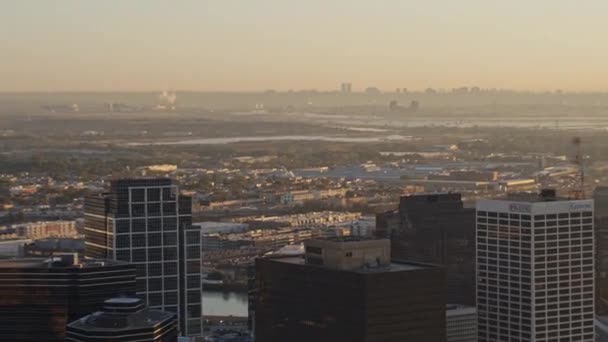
[{"x": 438, "y": 91}]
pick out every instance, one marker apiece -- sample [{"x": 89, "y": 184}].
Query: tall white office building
[{"x": 535, "y": 269}]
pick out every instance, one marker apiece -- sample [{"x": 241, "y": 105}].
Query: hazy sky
[{"x": 295, "y": 44}]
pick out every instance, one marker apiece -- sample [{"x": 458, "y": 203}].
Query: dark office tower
[
  {"x": 600, "y": 196},
  {"x": 348, "y": 290},
  {"x": 124, "y": 320},
  {"x": 535, "y": 269},
  {"x": 435, "y": 228},
  {"x": 39, "y": 297},
  {"x": 147, "y": 222}
]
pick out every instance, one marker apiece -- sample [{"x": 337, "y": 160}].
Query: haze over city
[
  {"x": 303, "y": 171},
  {"x": 146, "y": 45}
]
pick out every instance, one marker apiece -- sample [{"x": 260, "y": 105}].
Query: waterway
[
  {"x": 232, "y": 140},
  {"x": 225, "y": 304}
]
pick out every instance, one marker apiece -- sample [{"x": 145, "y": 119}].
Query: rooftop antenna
[{"x": 578, "y": 160}]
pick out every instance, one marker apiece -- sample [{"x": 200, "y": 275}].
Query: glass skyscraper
[{"x": 148, "y": 222}]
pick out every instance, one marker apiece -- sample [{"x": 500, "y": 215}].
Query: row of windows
[
  {"x": 151, "y": 269},
  {"x": 154, "y": 209},
  {"x": 503, "y": 270},
  {"x": 574, "y": 250},
  {"x": 565, "y": 335},
  {"x": 512, "y": 301},
  {"x": 144, "y": 240},
  {"x": 136, "y": 255},
  {"x": 527, "y": 224},
  {"x": 125, "y": 226},
  {"x": 569, "y": 314},
  {"x": 538, "y": 231},
  {"x": 510, "y": 306},
  {"x": 540, "y": 265},
  {"x": 481, "y": 213},
  {"x": 580, "y": 318},
  {"x": 507, "y": 299},
  {"x": 165, "y": 283},
  {"x": 540, "y": 278},
  {"x": 575, "y": 247},
  {"x": 492, "y": 334},
  {"x": 554, "y": 336},
  {"x": 494, "y": 286},
  {"x": 571, "y": 242},
  {"x": 505, "y": 237},
  {"x": 153, "y": 194},
  {"x": 193, "y": 237},
  {"x": 542, "y": 269},
  {"x": 573, "y": 301},
  {"x": 526, "y": 247},
  {"x": 574, "y": 321},
  {"x": 574, "y": 273},
  {"x": 170, "y": 298},
  {"x": 540, "y": 262},
  {"x": 561, "y": 258},
  {"x": 550, "y": 236}
]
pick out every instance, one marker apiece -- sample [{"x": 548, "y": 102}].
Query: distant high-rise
[
  {"x": 435, "y": 228},
  {"x": 124, "y": 320},
  {"x": 535, "y": 272},
  {"x": 347, "y": 289},
  {"x": 600, "y": 196},
  {"x": 346, "y": 88},
  {"x": 461, "y": 323},
  {"x": 147, "y": 222},
  {"x": 39, "y": 297}
]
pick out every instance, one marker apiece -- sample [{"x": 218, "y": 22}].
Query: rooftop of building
[
  {"x": 137, "y": 181},
  {"x": 120, "y": 314},
  {"x": 214, "y": 224},
  {"x": 394, "y": 266},
  {"x": 58, "y": 243},
  {"x": 350, "y": 238},
  {"x": 546, "y": 195},
  {"x": 61, "y": 261},
  {"x": 459, "y": 309},
  {"x": 433, "y": 196}
]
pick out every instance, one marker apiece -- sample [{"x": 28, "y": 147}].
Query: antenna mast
[{"x": 578, "y": 160}]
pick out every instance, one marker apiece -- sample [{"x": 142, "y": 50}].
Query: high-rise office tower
[
  {"x": 39, "y": 297},
  {"x": 535, "y": 269},
  {"x": 346, "y": 88},
  {"x": 600, "y": 197},
  {"x": 435, "y": 228},
  {"x": 461, "y": 323},
  {"x": 148, "y": 222},
  {"x": 124, "y": 320},
  {"x": 347, "y": 289}
]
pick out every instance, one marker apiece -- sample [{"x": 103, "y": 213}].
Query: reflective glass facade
[{"x": 148, "y": 223}]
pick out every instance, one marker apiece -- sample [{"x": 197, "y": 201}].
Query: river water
[
  {"x": 224, "y": 304},
  {"x": 232, "y": 140}
]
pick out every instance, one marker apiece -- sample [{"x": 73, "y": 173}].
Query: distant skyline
[{"x": 231, "y": 45}]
